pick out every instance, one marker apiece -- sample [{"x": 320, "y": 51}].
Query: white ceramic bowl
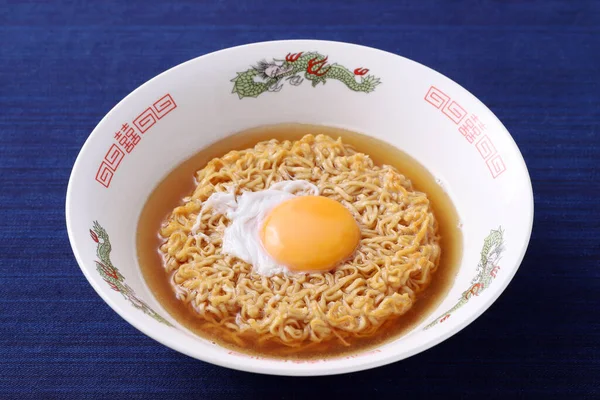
[{"x": 173, "y": 116}]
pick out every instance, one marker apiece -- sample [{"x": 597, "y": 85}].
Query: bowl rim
[{"x": 289, "y": 369}]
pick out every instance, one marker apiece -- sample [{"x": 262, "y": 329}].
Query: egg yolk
[{"x": 310, "y": 233}]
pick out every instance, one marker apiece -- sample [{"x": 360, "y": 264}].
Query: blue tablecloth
[{"x": 64, "y": 64}]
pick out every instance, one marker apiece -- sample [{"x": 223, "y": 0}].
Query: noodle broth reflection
[{"x": 403, "y": 263}]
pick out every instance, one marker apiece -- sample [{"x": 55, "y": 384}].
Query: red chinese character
[
  {"x": 476, "y": 120},
  {"x": 121, "y": 139},
  {"x": 463, "y": 130},
  {"x": 132, "y": 136},
  {"x": 469, "y": 130},
  {"x": 127, "y": 137}
]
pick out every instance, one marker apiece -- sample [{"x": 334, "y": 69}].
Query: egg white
[{"x": 247, "y": 213}]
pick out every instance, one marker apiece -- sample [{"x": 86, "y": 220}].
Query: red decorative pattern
[
  {"x": 112, "y": 285},
  {"x": 293, "y": 57},
  {"x": 315, "y": 66},
  {"x": 127, "y": 137},
  {"x": 495, "y": 270},
  {"x": 109, "y": 271},
  {"x": 361, "y": 71},
  {"x": 114, "y": 156},
  {"x": 470, "y": 126},
  {"x": 486, "y": 147},
  {"x": 455, "y": 112},
  {"x": 104, "y": 174},
  {"x": 473, "y": 291},
  {"x": 436, "y": 97},
  {"x": 496, "y": 166},
  {"x": 165, "y": 105},
  {"x": 145, "y": 120}
]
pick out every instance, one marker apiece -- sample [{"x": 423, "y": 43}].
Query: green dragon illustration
[
  {"x": 296, "y": 67},
  {"x": 113, "y": 277},
  {"x": 487, "y": 268}
]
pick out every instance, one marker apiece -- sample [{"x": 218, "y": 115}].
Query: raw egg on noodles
[
  {"x": 287, "y": 227},
  {"x": 310, "y": 233}
]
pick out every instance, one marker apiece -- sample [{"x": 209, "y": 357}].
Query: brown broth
[{"x": 180, "y": 183}]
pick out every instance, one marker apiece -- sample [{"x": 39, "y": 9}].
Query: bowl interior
[{"x": 403, "y": 103}]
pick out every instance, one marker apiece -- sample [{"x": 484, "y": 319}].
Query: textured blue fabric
[{"x": 64, "y": 64}]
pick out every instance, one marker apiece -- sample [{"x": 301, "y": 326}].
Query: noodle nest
[{"x": 398, "y": 252}]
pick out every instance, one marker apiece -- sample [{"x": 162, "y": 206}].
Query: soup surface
[{"x": 180, "y": 183}]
